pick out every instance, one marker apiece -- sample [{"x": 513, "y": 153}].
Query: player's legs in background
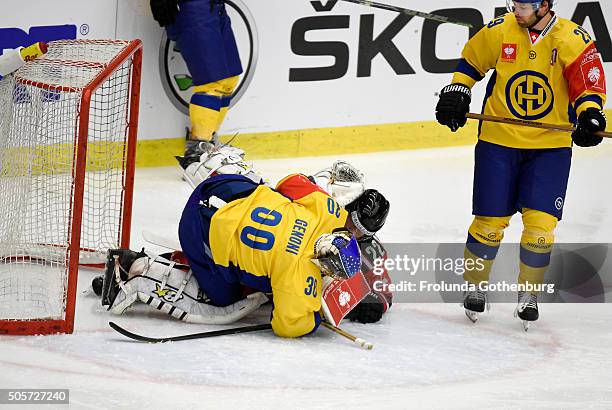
[
  {"x": 543, "y": 184},
  {"x": 203, "y": 33},
  {"x": 232, "y": 60},
  {"x": 495, "y": 192},
  {"x": 208, "y": 107},
  {"x": 536, "y": 245},
  {"x": 484, "y": 237}
]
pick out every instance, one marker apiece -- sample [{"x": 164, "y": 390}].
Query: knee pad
[
  {"x": 209, "y": 105},
  {"x": 538, "y": 230},
  {"x": 484, "y": 237},
  {"x": 536, "y": 245},
  {"x": 488, "y": 231}
]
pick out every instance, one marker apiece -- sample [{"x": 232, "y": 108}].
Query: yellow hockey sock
[
  {"x": 209, "y": 105},
  {"x": 536, "y": 245}
]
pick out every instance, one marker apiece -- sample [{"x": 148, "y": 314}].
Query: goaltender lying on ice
[{"x": 243, "y": 241}]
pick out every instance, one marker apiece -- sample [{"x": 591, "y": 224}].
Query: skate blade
[
  {"x": 526, "y": 325},
  {"x": 473, "y": 316}
]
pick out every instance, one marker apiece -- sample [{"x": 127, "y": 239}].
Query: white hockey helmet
[{"x": 525, "y": 7}]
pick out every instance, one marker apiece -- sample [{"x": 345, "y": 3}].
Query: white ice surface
[{"x": 425, "y": 355}]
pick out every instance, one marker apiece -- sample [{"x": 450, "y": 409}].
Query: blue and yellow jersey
[
  {"x": 548, "y": 78},
  {"x": 268, "y": 234}
]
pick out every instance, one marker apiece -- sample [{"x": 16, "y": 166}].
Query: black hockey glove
[
  {"x": 369, "y": 310},
  {"x": 454, "y": 103},
  {"x": 164, "y": 11},
  {"x": 590, "y": 121}
]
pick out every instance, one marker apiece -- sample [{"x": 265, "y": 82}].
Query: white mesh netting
[{"x": 40, "y": 107}]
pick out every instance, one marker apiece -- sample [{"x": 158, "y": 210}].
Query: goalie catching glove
[
  {"x": 342, "y": 181},
  {"x": 368, "y": 209},
  {"x": 166, "y": 286}
]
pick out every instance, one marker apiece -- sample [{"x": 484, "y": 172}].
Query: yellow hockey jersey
[
  {"x": 551, "y": 77},
  {"x": 272, "y": 234}
]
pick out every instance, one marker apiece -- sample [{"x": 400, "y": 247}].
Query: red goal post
[{"x": 68, "y": 129}]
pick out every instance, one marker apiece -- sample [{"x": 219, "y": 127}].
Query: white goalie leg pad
[
  {"x": 213, "y": 315},
  {"x": 156, "y": 282},
  {"x": 223, "y": 160}
]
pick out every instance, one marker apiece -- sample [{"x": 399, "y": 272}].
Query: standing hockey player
[
  {"x": 203, "y": 33},
  {"x": 236, "y": 232},
  {"x": 545, "y": 69}
]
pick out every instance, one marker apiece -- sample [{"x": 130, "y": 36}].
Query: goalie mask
[
  {"x": 369, "y": 212},
  {"x": 338, "y": 255}
]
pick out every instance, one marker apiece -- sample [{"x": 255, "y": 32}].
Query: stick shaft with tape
[
  {"x": 532, "y": 124},
  {"x": 358, "y": 341}
]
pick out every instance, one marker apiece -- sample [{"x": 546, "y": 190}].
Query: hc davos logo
[
  {"x": 13, "y": 37},
  {"x": 529, "y": 96},
  {"x": 174, "y": 73}
]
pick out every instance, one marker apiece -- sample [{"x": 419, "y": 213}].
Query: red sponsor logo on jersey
[
  {"x": 592, "y": 71},
  {"x": 508, "y": 52}
]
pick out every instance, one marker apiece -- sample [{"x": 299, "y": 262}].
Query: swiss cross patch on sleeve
[
  {"x": 508, "y": 52},
  {"x": 592, "y": 71}
]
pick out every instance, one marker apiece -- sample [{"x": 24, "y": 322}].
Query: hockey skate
[
  {"x": 194, "y": 149},
  {"x": 118, "y": 262},
  {"x": 474, "y": 303},
  {"x": 527, "y": 308}
]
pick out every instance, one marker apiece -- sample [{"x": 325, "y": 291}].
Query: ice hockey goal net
[{"x": 68, "y": 126}]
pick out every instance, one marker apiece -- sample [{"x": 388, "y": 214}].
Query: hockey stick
[
  {"x": 427, "y": 16},
  {"x": 533, "y": 124},
  {"x": 161, "y": 241},
  {"x": 233, "y": 331},
  {"x": 357, "y": 340},
  {"x": 203, "y": 335}
]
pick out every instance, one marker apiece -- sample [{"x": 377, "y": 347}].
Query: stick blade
[{"x": 134, "y": 336}]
